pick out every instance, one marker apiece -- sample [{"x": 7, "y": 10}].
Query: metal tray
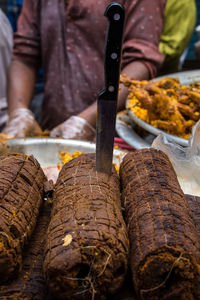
[
  {"x": 185, "y": 78},
  {"x": 46, "y": 150},
  {"x": 128, "y": 132}
]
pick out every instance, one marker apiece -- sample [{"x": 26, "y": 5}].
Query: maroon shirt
[{"x": 67, "y": 38}]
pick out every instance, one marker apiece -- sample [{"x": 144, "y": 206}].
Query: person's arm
[
  {"x": 136, "y": 70},
  {"x": 180, "y": 19},
  {"x": 22, "y": 73},
  {"x": 21, "y": 82},
  {"x": 26, "y": 57}
]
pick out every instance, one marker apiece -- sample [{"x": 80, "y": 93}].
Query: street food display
[
  {"x": 165, "y": 104},
  {"x": 82, "y": 241}
]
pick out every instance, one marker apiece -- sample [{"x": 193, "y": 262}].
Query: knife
[{"x": 107, "y": 98}]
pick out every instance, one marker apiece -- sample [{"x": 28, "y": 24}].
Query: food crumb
[{"x": 67, "y": 240}]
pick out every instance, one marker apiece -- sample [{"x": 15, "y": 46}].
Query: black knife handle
[{"x": 113, "y": 49}]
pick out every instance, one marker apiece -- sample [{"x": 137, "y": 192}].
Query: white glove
[
  {"x": 21, "y": 123},
  {"x": 74, "y": 128}
]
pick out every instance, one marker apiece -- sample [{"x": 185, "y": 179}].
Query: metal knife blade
[{"x": 107, "y": 98}]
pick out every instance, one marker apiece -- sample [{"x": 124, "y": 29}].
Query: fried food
[{"x": 165, "y": 104}]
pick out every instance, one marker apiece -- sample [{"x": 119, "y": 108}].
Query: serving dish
[
  {"x": 185, "y": 77},
  {"x": 47, "y": 150},
  {"x": 137, "y": 141},
  {"x": 127, "y": 130}
]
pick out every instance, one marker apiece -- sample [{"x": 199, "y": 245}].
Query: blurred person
[
  {"x": 180, "y": 19},
  {"x": 67, "y": 38},
  {"x": 6, "y": 44},
  {"x": 13, "y": 11}
]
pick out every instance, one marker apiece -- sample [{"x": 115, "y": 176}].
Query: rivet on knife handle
[{"x": 107, "y": 98}]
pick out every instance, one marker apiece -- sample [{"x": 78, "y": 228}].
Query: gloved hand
[
  {"x": 74, "y": 128},
  {"x": 21, "y": 123}
]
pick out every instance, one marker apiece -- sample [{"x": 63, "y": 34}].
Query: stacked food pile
[
  {"x": 84, "y": 248},
  {"x": 165, "y": 104}
]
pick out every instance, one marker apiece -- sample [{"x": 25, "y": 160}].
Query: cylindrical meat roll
[
  {"x": 164, "y": 254},
  {"x": 21, "y": 195},
  {"x": 87, "y": 243},
  {"x": 30, "y": 283},
  {"x": 194, "y": 205}
]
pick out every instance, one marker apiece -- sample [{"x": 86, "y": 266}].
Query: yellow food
[
  {"x": 65, "y": 157},
  {"x": 165, "y": 104}
]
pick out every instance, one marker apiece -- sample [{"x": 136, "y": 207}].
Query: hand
[
  {"x": 21, "y": 123},
  {"x": 74, "y": 128}
]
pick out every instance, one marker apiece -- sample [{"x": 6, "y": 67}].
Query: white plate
[{"x": 185, "y": 78}]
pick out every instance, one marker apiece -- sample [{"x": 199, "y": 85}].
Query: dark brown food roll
[
  {"x": 164, "y": 254},
  {"x": 87, "y": 248},
  {"x": 194, "y": 205},
  {"x": 30, "y": 283},
  {"x": 21, "y": 195}
]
